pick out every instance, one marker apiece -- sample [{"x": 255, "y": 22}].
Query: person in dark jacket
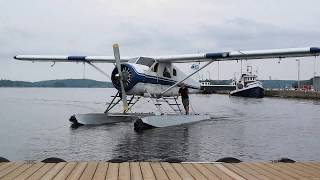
[{"x": 184, "y": 93}]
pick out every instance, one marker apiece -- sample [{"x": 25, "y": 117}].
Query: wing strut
[
  {"x": 186, "y": 77},
  {"x": 98, "y": 69}
]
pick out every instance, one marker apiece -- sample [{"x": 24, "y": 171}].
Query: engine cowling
[{"x": 128, "y": 77}]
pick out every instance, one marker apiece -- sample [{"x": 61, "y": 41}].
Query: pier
[
  {"x": 158, "y": 170},
  {"x": 293, "y": 94}
]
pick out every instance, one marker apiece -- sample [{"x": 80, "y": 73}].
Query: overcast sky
[{"x": 160, "y": 27}]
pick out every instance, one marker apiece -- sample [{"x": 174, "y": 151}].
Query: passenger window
[
  {"x": 166, "y": 73},
  {"x": 174, "y": 72}
]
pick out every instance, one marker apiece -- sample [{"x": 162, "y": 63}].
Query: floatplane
[{"x": 159, "y": 79}]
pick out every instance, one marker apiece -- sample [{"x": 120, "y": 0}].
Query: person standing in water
[{"x": 184, "y": 93}]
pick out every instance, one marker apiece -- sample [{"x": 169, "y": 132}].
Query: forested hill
[{"x": 78, "y": 83}]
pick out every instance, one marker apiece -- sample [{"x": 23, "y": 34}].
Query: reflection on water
[
  {"x": 153, "y": 145},
  {"x": 34, "y": 125}
]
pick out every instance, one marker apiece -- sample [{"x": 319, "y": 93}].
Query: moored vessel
[{"x": 248, "y": 85}]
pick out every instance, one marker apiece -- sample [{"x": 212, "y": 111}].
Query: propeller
[{"x": 116, "y": 53}]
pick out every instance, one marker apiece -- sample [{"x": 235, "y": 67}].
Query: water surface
[{"x": 34, "y": 125}]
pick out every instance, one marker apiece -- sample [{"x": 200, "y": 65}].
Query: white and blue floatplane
[{"x": 158, "y": 79}]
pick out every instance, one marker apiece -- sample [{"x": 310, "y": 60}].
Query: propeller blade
[{"x": 116, "y": 53}]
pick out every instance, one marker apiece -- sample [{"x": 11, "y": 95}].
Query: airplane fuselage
[{"x": 151, "y": 78}]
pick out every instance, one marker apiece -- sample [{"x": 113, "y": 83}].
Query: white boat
[{"x": 248, "y": 86}]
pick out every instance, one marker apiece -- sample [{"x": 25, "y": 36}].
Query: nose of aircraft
[{"x": 127, "y": 76}]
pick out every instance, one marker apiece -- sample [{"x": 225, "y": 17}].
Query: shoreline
[
  {"x": 290, "y": 94},
  {"x": 298, "y": 94}
]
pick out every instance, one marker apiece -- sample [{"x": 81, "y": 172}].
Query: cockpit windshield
[{"x": 145, "y": 61}]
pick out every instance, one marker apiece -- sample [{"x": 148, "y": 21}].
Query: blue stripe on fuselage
[{"x": 144, "y": 78}]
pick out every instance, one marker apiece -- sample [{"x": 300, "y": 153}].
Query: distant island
[
  {"x": 89, "y": 83},
  {"x": 59, "y": 83}
]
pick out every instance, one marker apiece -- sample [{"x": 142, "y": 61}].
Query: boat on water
[{"x": 248, "y": 85}]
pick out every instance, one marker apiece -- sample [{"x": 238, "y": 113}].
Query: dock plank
[
  {"x": 135, "y": 170},
  {"x": 77, "y": 171},
  {"x": 11, "y": 168},
  {"x": 17, "y": 171},
  {"x": 183, "y": 173},
  {"x": 229, "y": 172},
  {"x": 101, "y": 171},
  {"x": 273, "y": 171},
  {"x": 89, "y": 171},
  {"x": 30, "y": 171},
  {"x": 65, "y": 171},
  {"x": 171, "y": 172},
  {"x": 193, "y": 171},
  {"x": 6, "y": 165},
  {"x": 113, "y": 171},
  {"x": 313, "y": 169},
  {"x": 248, "y": 169},
  {"x": 315, "y": 164},
  {"x": 206, "y": 172},
  {"x": 301, "y": 170},
  {"x": 264, "y": 171},
  {"x": 158, "y": 171},
  {"x": 146, "y": 170},
  {"x": 54, "y": 171},
  {"x": 124, "y": 171},
  {"x": 217, "y": 171},
  {"x": 278, "y": 168},
  {"x": 240, "y": 171},
  {"x": 44, "y": 169}
]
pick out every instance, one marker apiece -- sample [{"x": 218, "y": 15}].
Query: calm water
[{"x": 34, "y": 125}]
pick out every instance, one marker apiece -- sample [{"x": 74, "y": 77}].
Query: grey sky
[{"x": 161, "y": 27}]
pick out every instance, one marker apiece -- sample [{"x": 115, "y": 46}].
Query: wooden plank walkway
[{"x": 158, "y": 170}]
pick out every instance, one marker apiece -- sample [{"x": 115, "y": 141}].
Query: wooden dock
[{"x": 158, "y": 170}]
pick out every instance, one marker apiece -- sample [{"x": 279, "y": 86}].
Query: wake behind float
[
  {"x": 141, "y": 121},
  {"x": 167, "y": 120}
]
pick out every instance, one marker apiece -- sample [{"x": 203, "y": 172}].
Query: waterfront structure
[{"x": 316, "y": 83}]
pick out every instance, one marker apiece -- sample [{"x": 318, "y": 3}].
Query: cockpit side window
[
  {"x": 155, "y": 67},
  {"x": 145, "y": 61},
  {"x": 166, "y": 73}
]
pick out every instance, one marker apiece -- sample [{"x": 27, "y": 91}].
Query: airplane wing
[
  {"x": 186, "y": 58},
  {"x": 241, "y": 55},
  {"x": 59, "y": 58}
]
